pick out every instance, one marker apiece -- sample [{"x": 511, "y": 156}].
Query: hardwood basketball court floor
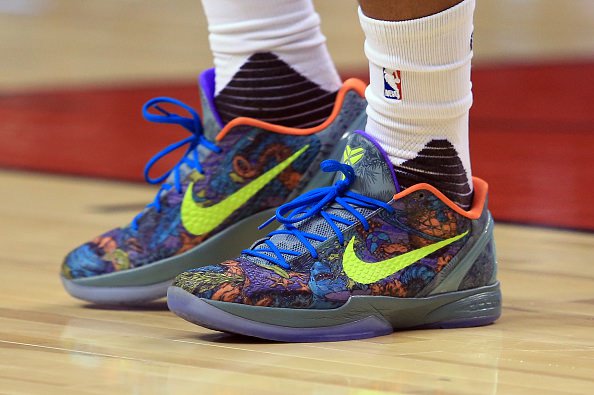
[{"x": 51, "y": 343}]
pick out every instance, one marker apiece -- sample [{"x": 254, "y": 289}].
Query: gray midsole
[
  {"x": 226, "y": 244},
  {"x": 400, "y": 312}
]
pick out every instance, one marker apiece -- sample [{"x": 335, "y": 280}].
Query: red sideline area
[{"x": 532, "y": 137}]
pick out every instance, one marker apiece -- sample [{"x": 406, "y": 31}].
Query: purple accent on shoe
[
  {"x": 384, "y": 154},
  {"x": 207, "y": 85},
  {"x": 198, "y": 311}
]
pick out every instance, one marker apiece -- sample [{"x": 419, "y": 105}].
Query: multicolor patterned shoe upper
[
  {"x": 249, "y": 170},
  {"x": 364, "y": 241}
]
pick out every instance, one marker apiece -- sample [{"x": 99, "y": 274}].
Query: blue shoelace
[
  {"x": 312, "y": 204},
  {"x": 190, "y": 158}
]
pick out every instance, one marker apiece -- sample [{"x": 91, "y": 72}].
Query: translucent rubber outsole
[{"x": 117, "y": 296}]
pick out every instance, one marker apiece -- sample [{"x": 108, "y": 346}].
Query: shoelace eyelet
[{"x": 313, "y": 203}]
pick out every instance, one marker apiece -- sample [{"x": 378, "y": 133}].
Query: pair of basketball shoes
[{"x": 352, "y": 256}]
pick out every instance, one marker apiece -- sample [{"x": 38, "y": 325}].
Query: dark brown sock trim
[
  {"x": 438, "y": 164},
  {"x": 268, "y": 89}
]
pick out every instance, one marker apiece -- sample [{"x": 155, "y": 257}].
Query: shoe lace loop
[
  {"x": 315, "y": 203},
  {"x": 192, "y": 124}
]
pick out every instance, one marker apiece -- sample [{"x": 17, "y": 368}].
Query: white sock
[
  {"x": 288, "y": 28},
  {"x": 420, "y": 94}
]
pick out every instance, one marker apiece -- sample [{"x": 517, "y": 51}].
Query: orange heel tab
[
  {"x": 352, "y": 84},
  {"x": 478, "y": 202}
]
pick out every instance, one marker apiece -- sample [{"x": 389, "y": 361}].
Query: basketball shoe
[
  {"x": 230, "y": 179},
  {"x": 357, "y": 259}
]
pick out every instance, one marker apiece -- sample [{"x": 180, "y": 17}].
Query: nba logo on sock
[{"x": 392, "y": 84}]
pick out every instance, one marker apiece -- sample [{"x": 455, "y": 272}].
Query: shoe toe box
[
  {"x": 241, "y": 281},
  {"x": 216, "y": 282},
  {"x": 94, "y": 258},
  {"x": 83, "y": 262}
]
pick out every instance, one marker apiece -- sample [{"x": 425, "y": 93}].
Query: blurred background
[{"x": 75, "y": 73}]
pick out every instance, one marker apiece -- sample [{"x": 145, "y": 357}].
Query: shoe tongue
[
  {"x": 210, "y": 117},
  {"x": 374, "y": 172}
]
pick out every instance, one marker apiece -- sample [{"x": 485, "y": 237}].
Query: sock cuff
[
  {"x": 437, "y": 42},
  {"x": 293, "y": 32}
]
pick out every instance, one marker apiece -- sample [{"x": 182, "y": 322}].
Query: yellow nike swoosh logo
[
  {"x": 200, "y": 220},
  {"x": 370, "y": 272}
]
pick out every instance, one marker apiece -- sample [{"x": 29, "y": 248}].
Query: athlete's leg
[
  {"x": 420, "y": 92},
  {"x": 402, "y": 10}
]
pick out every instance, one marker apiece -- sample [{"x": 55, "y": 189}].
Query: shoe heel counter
[
  {"x": 484, "y": 269},
  {"x": 475, "y": 265}
]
